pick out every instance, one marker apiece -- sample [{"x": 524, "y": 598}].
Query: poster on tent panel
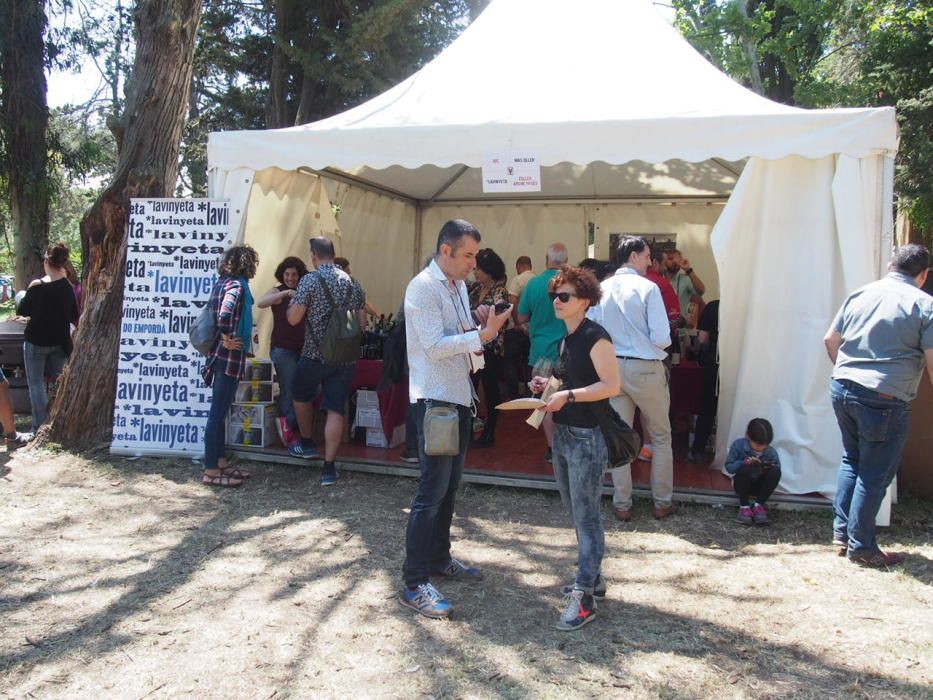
[
  {"x": 512, "y": 172},
  {"x": 172, "y": 250}
]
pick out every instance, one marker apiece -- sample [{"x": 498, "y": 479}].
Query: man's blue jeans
[
  {"x": 223, "y": 392},
  {"x": 41, "y": 361},
  {"x": 874, "y": 430},
  {"x": 580, "y": 458},
  {"x": 427, "y": 539},
  {"x": 286, "y": 364}
]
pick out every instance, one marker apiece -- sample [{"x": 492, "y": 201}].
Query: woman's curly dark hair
[
  {"x": 489, "y": 262},
  {"x": 584, "y": 283},
  {"x": 288, "y": 262},
  {"x": 239, "y": 261},
  {"x": 56, "y": 255}
]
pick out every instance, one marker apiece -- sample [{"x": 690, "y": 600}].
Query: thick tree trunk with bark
[
  {"x": 25, "y": 118},
  {"x": 277, "y": 98},
  {"x": 148, "y": 137}
]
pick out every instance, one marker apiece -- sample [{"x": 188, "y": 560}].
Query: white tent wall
[
  {"x": 284, "y": 210},
  {"x": 233, "y": 185},
  {"x": 378, "y": 238},
  {"x": 796, "y": 236},
  {"x": 514, "y": 230}
]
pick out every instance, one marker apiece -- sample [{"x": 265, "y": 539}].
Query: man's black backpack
[{"x": 340, "y": 343}]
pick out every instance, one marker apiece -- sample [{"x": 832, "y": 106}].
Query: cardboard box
[
  {"x": 251, "y": 435},
  {"x": 368, "y": 418},
  {"x": 367, "y": 399},
  {"x": 253, "y": 414},
  {"x": 376, "y": 438},
  {"x": 257, "y": 370},
  {"x": 255, "y": 392}
]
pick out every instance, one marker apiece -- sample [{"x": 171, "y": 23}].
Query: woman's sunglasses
[{"x": 563, "y": 296}]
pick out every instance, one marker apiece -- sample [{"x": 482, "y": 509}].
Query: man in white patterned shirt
[{"x": 441, "y": 335}]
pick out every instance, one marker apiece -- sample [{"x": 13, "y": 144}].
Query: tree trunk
[
  {"x": 277, "y": 97},
  {"x": 751, "y": 52},
  {"x": 25, "y": 117},
  {"x": 148, "y": 137}
]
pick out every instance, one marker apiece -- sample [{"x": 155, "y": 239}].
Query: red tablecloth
[{"x": 686, "y": 387}]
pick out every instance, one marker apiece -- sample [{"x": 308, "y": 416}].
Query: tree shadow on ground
[{"x": 504, "y": 621}]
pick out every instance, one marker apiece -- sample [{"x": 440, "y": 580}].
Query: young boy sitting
[{"x": 755, "y": 469}]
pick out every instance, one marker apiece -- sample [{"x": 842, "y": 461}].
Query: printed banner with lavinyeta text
[{"x": 173, "y": 247}]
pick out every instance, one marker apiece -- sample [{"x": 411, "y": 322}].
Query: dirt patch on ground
[{"x": 130, "y": 579}]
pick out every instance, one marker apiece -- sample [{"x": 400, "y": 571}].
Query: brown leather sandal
[
  {"x": 235, "y": 473},
  {"x": 222, "y": 480}
]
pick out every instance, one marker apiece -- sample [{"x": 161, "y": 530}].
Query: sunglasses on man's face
[{"x": 563, "y": 296}]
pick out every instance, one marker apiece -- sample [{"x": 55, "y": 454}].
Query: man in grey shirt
[
  {"x": 441, "y": 336},
  {"x": 879, "y": 342}
]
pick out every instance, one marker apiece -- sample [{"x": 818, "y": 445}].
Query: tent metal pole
[
  {"x": 601, "y": 199},
  {"x": 448, "y": 184},
  {"x": 416, "y": 254},
  {"x": 359, "y": 182},
  {"x": 886, "y": 212},
  {"x": 725, "y": 166}
]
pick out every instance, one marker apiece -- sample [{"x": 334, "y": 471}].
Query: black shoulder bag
[{"x": 622, "y": 441}]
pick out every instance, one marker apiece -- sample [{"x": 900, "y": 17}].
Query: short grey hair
[{"x": 557, "y": 253}]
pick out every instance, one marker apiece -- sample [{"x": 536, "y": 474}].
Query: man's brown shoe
[
  {"x": 661, "y": 512},
  {"x": 879, "y": 560},
  {"x": 622, "y": 514}
]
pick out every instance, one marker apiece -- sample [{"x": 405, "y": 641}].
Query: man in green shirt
[
  {"x": 536, "y": 309},
  {"x": 545, "y": 329}
]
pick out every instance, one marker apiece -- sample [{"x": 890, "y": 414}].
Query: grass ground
[{"x": 131, "y": 580}]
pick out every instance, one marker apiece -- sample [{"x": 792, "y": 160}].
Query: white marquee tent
[{"x": 624, "y": 117}]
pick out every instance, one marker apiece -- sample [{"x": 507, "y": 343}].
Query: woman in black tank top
[{"x": 589, "y": 372}]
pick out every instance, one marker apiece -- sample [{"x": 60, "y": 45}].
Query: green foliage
[
  {"x": 834, "y": 53},
  {"x": 281, "y": 62},
  {"x": 82, "y": 154}
]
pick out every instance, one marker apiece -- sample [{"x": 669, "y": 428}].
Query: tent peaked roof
[
  {"x": 553, "y": 61},
  {"x": 574, "y": 82}
]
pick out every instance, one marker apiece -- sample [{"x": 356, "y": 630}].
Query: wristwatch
[
  {"x": 570, "y": 397},
  {"x": 689, "y": 270}
]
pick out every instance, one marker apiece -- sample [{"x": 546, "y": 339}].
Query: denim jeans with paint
[
  {"x": 41, "y": 361},
  {"x": 580, "y": 458},
  {"x": 427, "y": 539},
  {"x": 223, "y": 392},
  {"x": 286, "y": 364},
  {"x": 874, "y": 430}
]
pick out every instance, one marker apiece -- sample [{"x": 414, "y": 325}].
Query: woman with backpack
[{"x": 232, "y": 303}]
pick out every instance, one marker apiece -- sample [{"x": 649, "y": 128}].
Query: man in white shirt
[
  {"x": 441, "y": 336},
  {"x": 633, "y": 312}
]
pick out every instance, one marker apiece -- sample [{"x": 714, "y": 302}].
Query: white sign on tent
[
  {"x": 512, "y": 172},
  {"x": 172, "y": 250}
]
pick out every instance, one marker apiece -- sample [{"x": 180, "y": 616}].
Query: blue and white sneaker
[
  {"x": 299, "y": 450},
  {"x": 329, "y": 476},
  {"x": 427, "y": 600},
  {"x": 457, "y": 570}
]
